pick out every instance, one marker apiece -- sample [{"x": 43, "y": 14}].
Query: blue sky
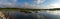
[
  {"x": 22, "y": 1},
  {"x": 42, "y": 3}
]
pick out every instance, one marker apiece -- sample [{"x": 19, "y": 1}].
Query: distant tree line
[{"x": 27, "y": 9}]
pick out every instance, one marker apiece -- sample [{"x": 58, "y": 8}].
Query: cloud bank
[
  {"x": 5, "y": 3},
  {"x": 34, "y": 5}
]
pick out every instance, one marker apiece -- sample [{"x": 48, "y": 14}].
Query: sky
[{"x": 35, "y": 4}]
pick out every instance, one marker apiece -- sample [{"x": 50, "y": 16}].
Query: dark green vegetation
[{"x": 27, "y": 10}]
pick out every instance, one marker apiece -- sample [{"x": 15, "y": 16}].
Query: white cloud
[
  {"x": 49, "y": 6},
  {"x": 54, "y": 5},
  {"x": 30, "y": 6},
  {"x": 5, "y": 3},
  {"x": 15, "y": 0},
  {"x": 40, "y": 1},
  {"x": 34, "y": 5},
  {"x": 26, "y": 5}
]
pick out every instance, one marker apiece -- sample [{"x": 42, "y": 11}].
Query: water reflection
[
  {"x": 43, "y": 14},
  {"x": 51, "y": 14}
]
